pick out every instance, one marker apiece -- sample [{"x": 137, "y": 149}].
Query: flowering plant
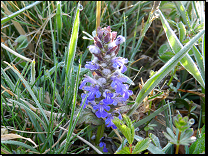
[{"x": 107, "y": 90}]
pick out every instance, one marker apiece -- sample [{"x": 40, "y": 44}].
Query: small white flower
[
  {"x": 93, "y": 49},
  {"x": 113, "y": 54},
  {"x": 119, "y": 40},
  {"x": 107, "y": 56},
  {"x": 111, "y": 45},
  {"x": 101, "y": 81},
  {"x": 95, "y": 59},
  {"x": 103, "y": 64},
  {"x": 106, "y": 71}
]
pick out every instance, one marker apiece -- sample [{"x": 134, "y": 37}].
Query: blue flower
[
  {"x": 117, "y": 100},
  {"x": 108, "y": 98},
  {"x": 127, "y": 92},
  {"x": 101, "y": 112},
  {"x": 119, "y": 62},
  {"x": 117, "y": 83},
  {"x": 109, "y": 121},
  {"x": 102, "y": 143},
  {"x": 92, "y": 66},
  {"x": 93, "y": 91},
  {"x": 87, "y": 79}
]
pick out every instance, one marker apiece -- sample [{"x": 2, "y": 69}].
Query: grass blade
[
  {"x": 59, "y": 20},
  {"x": 5, "y": 19},
  {"x": 199, "y": 61},
  {"x": 148, "y": 118},
  {"x": 72, "y": 48}
]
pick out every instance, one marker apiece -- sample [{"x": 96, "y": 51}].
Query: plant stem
[
  {"x": 120, "y": 138},
  {"x": 130, "y": 148},
  {"x": 177, "y": 146},
  {"x": 175, "y": 69}
]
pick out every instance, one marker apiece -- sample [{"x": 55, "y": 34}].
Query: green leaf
[
  {"x": 51, "y": 71},
  {"x": 165, "y": 149},
  {"x": 155, "y": 140},
  {"x": 28, "y": 109},
  {"x": 141, "y": 146},
  {"x": 182, "y": 31},
  {"x": 126, "y": 131},
  {"x": 88, "y": 117},
  {"x": 153, "y": 149},
  {"x": 164, "y": 53},
  {"x": 124, "y": 150},
  {"x": 129, "y": 125},
  {"x": 199, "y": 145},
  {"x": 186, "y": 137},
  {"x": 176, "y": 46}
]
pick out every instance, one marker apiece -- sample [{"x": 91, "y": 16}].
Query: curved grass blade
[
  {"x": 176, "y": 46},
  {"x": 30, "y": 91},
  {"x": 5, "y": 19},
  {"x": 8, "y": 80},
  {"x": 18, "y": 143},
  {"x": 15, "y": 53},
  {"x": 162, "y": 72}
]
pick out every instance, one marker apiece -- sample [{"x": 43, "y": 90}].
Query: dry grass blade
[
  {"x": 15, "y": 136},
  {"x": 98, "y": 10},
  {"x": 15, "y": 53}
]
